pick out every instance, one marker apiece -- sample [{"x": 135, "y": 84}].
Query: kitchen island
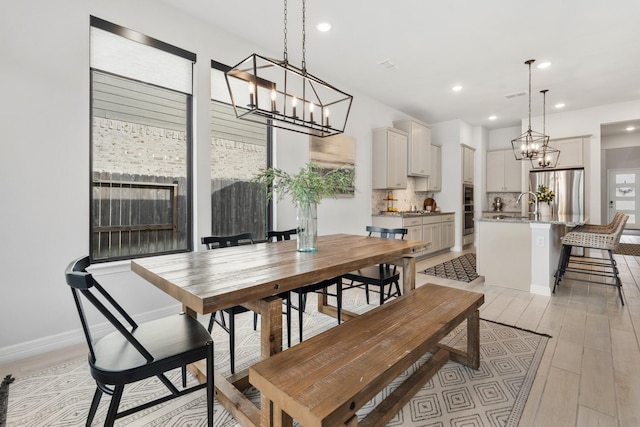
[{"x": 521, "y": 252}]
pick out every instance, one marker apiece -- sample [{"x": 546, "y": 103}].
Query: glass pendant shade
[{"x": 263, "y": 88}]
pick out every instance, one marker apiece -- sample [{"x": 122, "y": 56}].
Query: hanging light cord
[
  {"x": 544, "y": 110},
  {"x": 286, "y": 56},
  {"x": 530, "y": 62},
  {"x": 304, "y": 36}
]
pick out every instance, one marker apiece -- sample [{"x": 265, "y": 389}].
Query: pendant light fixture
[
  {"x": 275, "y": 92},
  {"x": 548, "y": 155},
  {"x": 530, "y": 144}
]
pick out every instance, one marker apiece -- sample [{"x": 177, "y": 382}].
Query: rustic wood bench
[{"x": 325, "y": 380}]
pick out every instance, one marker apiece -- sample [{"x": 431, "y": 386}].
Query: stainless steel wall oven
[{"x": 467, "y": 202}]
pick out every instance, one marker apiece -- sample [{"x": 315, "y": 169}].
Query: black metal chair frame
[
  {"x": 321, "y": 288},
  {"x": 215, "y": 242},
  {"x": 380, "y": 275},
  {"x": 133, "y": 351}
]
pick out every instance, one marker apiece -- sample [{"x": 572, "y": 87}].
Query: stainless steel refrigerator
[{"x": 567, "y": 184}]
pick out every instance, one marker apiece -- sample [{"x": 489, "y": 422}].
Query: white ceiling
[{"x": 594, "y": 48}]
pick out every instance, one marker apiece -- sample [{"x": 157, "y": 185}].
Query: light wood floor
[{"x": 590, "y": 373}]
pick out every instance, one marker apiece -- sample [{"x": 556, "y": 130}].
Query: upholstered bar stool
[{"x": 591, "y": 236}]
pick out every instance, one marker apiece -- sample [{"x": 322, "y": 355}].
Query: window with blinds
[{"x": 141, "y": 103}]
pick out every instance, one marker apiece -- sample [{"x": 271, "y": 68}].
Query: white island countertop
[{"x": 568, "y": 220}]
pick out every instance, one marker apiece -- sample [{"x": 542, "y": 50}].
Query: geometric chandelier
[
  {"x": 548, "y": 157},
  {"x": 530, "y": 145},
  {"x": 273, "y": 91}
]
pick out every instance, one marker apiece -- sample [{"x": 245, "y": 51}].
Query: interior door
[{"x": 624, "y": 194}]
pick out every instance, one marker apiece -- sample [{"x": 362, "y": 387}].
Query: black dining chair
[
  {"x": 321, "y": 288},
  {"x": 381, "y": 276},
  {"x": 215, "y": 242},
  {"x": 136, "y": 351}
]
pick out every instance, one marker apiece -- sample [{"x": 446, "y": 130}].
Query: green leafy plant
[
  {"x": 310, "y": 184},
  {"x": 544, "y": 195}
]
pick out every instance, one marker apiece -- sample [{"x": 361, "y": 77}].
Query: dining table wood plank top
[{"x": 252, "y": 275}]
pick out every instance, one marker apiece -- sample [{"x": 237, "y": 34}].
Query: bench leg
[
  {"x": 470, "y": 357},
  {"x": 280, "y": 418}
]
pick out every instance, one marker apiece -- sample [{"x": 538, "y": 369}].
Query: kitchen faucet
[{"x": 536, "y": 212}]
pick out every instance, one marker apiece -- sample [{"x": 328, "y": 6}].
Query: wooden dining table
[{"x": 252, "y": 275}]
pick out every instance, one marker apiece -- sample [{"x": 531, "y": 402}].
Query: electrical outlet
[{"x": 540, "y": 241}]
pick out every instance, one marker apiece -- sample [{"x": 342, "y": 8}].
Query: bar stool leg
[
  {"x": 563, "y": 262},
  {"x": 616, "y": 277}
]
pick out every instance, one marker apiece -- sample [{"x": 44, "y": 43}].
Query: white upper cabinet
[
  {"x": 504, "y": 172},
  {"x": 419, "y": 151},
  {"x": 467, "y": 165},
  {"x": 434, "y": 182},
  {"x": 571, "y": 154},
  {"x": 389, "y": 158}
]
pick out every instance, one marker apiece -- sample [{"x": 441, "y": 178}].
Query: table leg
[
  {"x": 473, "y": 339},
  {"x": 408, "y": 274},
  {"x": 270, "y": 310}
]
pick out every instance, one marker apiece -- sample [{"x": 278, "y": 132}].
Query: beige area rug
[
  {"x": 630, "y": 249},
  {"x": 494, "y": 395}
]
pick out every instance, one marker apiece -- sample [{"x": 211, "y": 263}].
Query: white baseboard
[
  {"x": 43, "y": 345},
  {"x": 540, "y": 290}
]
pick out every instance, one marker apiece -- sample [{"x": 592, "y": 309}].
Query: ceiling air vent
[
  {"x": 515, "y": 94},
  {"x": 386, "y": 63}
]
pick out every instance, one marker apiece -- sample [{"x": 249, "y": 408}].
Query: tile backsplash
[
  {"x": 406, "y": 198},
  {"x": 508, "y": 201}
]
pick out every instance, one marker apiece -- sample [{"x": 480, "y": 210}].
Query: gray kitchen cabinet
[
  {"x": 504, "y": 172},
  {"x": 414, "y": 228},
  {"x": 389, "y": 158},
  {"x": 419, "y": 147},
  {"x": 467, "y": 165},
  {"x": 432, "y": 232},
  {"x": 448, "y": 231},
  {"x": 434, "y": 182},
  {"x": 438, "y": 229}
]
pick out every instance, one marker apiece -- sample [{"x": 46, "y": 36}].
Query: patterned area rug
[
  {"x": 628, "y": 249},
  {"x": 493, "y": 396},
  {"x": 462, "y": 269}
]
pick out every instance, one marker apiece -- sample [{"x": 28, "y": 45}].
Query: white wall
[
  {"x": 44, "y": 83},
  {"x": 500, "y": 139}
]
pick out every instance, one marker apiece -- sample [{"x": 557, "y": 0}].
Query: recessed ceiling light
[
  {"x": 323, "y": 27},
  {"x": 630, "y": 128},
  {"x": 559, "y": 105},
  {"x": 544, "y": 65},
  {"x": 456, "y": 88},
  {"x": 493, "y": 117}
]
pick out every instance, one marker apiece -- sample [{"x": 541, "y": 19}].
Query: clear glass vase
[{"x": 307, "y": 226}]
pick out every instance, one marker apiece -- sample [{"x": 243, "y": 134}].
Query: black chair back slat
[
  {"x": 281, "y": 235},
  {"x": 214, "y": 242},
  {"x": 387, "y": 233}
]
